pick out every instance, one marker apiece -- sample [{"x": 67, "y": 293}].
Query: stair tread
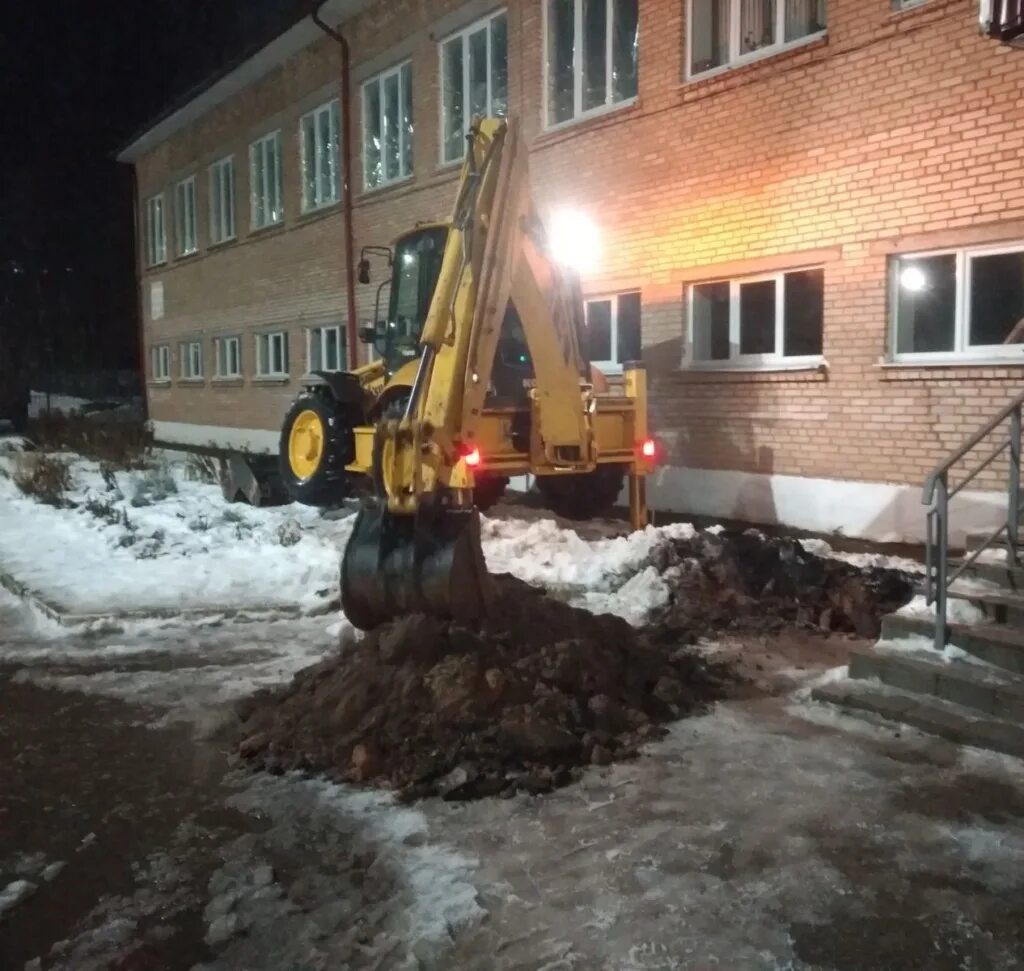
[
  {"x": 995, "y": 595},
  {"x": 926, "y": 713},
  {"x": 977, "y": 672},
  {"x": 1012, "y": 637}
]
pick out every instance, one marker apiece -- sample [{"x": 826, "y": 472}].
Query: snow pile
[
  {"x": 957, "y": 611},
  {"x": 154, "y": 541}
]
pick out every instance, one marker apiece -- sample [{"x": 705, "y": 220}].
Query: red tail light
[
  {"x": 472, "y": 457},
  {"x": 648, "y": 449}
]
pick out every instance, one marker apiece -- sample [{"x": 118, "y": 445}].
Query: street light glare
[
  {"x": 575, "y": 240},
  {"x": 914, "y": 279}
]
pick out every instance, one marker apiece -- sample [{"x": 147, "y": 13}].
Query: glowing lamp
[
  {"x": 914, "y": 279},
  {"x": 575, "y": 240}
]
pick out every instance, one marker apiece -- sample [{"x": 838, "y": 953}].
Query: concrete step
[
  {"x": 932, "y": 715},
  {"x": 999, "y": 606},
  {"x": 976, "y": 538},
  {"x": 969, "y": 684},
  {"x": 998, "y": 645},
  {"x": 1002, "y": 574}
]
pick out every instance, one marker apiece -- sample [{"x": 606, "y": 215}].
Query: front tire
[
  {"x": 315, "y": 446},
  {"x": 589, "y": 495}
]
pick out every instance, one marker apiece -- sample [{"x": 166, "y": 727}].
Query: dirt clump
[
  {"x": 427, "y": 707},
  {"x": 748, "y": 583}
]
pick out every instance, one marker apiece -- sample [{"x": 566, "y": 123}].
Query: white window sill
[
  {"x": 270, "y": 378},
  {"x": 600, "y": 112},
  {"x": 192, "y": 380},
  {"x": 312, "y": 210},
  {"x": 160, "y": 382},
  {"x": 226, "y": 241},
  {"x": 955, "y": 361},
  {"x": 733, "y": 367},
  {"x": 755, "y": 56},
  {"x": 227, "y": 379},
  {"x": 369, "y": 190},
  {"x": 265, "y": 227},
  {"x": 188, "y": 255}
]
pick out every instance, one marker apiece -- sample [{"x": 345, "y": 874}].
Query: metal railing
[{"x": 938, "y": 493}]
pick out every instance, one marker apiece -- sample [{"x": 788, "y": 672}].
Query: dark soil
[{"x": 428, "y": 707}]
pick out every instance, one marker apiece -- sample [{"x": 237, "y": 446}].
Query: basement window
[
  {"x": 324, "y": 350},
  {"x": 228, "y": 354},
  {"x": 160, "y": 362},
  {"x": 733, "y": 32},
  {"x": 191, "y": 357},
  {"x": 222, "y": 200},
  {"x": 771, "y": 321},
  {"x": 156, "y": 237},
  {"x": 185, "y": 216},
  {"x": 265, "y": 184},
  {"x": 613, "y": 330},
  {"x": 321, "y": 180},
  {"x": 959, "y": 304},
  {"x": 272, "y": 355},
  {"x": 591, "y": 62},
  {"x": 474, "y": 81},
  {"x": 387, "y": 127}
]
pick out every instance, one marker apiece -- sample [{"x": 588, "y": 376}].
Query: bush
[
  {"x": 202, "y": 468},
  {"x": 117, "y": 444},
  {"x": 153, "y": 485},
  {"x": 43, "y": 477},
  {"x": 105, "y": 510}
]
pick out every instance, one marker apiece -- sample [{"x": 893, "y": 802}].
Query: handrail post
[
  {"x": 1013, "y": 499},
  {"x": 942, "y": 566}
]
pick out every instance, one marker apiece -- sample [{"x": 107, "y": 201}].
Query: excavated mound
[{"x": 430, "y": 707}]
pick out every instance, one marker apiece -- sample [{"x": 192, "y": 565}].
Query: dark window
[
  {"x": 997, "y": 299},
  {"x": 599, "y": 330},
  {"x": 757, "y": 317},
  {"x": 711, "y": 321},
  {"x": 803, "y": 320},
  {"x": 926, "y": 304}
]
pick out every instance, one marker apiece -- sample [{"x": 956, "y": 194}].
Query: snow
[
  {"x": 818, "y": 547},
  {"x": 14, "y": 893},
  {"x": 957, "y": 611}
]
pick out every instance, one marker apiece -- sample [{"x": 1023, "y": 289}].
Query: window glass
[
  {"x": 388, "y": 127},
  {"x": 499, "y": 66},
  {"x": 997, "y": 299},
  {"x": 757, "y": 25},
  {"x": 803, "y": 319},
  {"x": 478, "y": 72},
  {"x": 926, "y": 304},
  {"x": 372, "y": 137},
  {"x": 454, "y": 124},
  {"x": 804, "y": 17},
  {"x": 561, "y": 51},
  {"x": 407, "y": 126},
  {"x": 392, "y": 131},
  {"x": 628, "y": 337},
  {"x": 625, "y": 49},
  {"x": 599, "y": 330},
  {"x": 595, "y": 61},
  {"x": 711, "y": 321},
  {"x": 757, "y": 317},
  {"x": 709, "y": 34}
]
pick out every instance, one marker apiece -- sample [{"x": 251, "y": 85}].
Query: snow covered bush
[
  {"x": 289, "y": 533},
  {"x": 153, "y": 485},
  {"x": 43, "y": 476},
  {"x": 120, "y": 444},
  {"x": 202, "y": 468}
]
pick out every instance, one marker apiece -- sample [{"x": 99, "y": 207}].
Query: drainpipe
[
  {"x": 140, "y": 299},
  {"x": 346, "y": 181}
]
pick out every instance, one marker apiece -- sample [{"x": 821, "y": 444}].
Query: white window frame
[
  {"x": 160, "y": 362},
  {"x": 612, "y": 366},
  {"x": 962, "y": 352},
  {"x": 775, "y": 361},
  {"x": 736, "y": 59},
  {"x": 321, "y": 333},
  {"x": 378, "y": 80},
  {"x": 185, "y": 226},
  {"x": 578, "y": 114},
  {"x": 220, "y": 344},
  {"x": 272, "y": 338},
  {"x": 222, "y": 190},
  {"x": 272, "y": 196},
  {"x": 463, "y": 36},
  {"x": 191, "y": 363},
  {"x": 332, "y": 157},
  {"x": 156, "y": 231}
]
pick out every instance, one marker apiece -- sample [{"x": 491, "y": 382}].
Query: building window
[
  {"x": 160, "y": 362},
  {"x": 724, "y": 32},
  {"x": 324, "y": 349},
  {"x": 272, "y": 354},
  {"x": 222, "y": 200},
  {"x": 613, "y": 329},
  {"x": 265, "y": 182},
  {"x": 228, "y": 355},
  {"x": 320, "y": 154},
  {"x": 387, "y": 127},
  {"x": 591, "y": 56},
  {"x": 185, "y": 216},
  {"x": 474, "y": 80},
  {"x": 766, "y": 321},
  {"x": 959, "y": 304},
  {"x": 156, "y": 238},
  {"x": 191, "y": 355}
]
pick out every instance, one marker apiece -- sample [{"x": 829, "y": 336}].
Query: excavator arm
[{"x": 416, "y": 543}]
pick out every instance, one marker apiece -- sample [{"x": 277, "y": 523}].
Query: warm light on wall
[{"x": 575, "y": 240}]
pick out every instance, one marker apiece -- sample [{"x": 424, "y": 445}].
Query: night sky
[{"x": 79, "y": 80}]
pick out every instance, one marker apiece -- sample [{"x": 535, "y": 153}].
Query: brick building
[{"x": 810, "y": 214}]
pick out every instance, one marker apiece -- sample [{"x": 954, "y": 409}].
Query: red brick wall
[{"x": 895, "y": 133}]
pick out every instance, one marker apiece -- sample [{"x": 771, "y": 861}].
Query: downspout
[
  {"x": 346, "y": 182},
  {"x": 140, "y": 300}
]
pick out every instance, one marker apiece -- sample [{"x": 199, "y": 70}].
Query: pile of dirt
[
  {"x": 429, "y": 707},
  {"x": 746, "y": 582}
]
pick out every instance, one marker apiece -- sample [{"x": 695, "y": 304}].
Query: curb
[{"x": 69, "y": 619}]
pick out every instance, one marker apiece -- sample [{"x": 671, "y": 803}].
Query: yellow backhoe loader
[{"x": 480, "y": 376}]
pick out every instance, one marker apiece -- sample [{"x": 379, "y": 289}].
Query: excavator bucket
[{"x": 431, "y": 562}]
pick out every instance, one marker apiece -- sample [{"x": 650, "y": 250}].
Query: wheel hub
[{"x": 306, "y": 444}]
